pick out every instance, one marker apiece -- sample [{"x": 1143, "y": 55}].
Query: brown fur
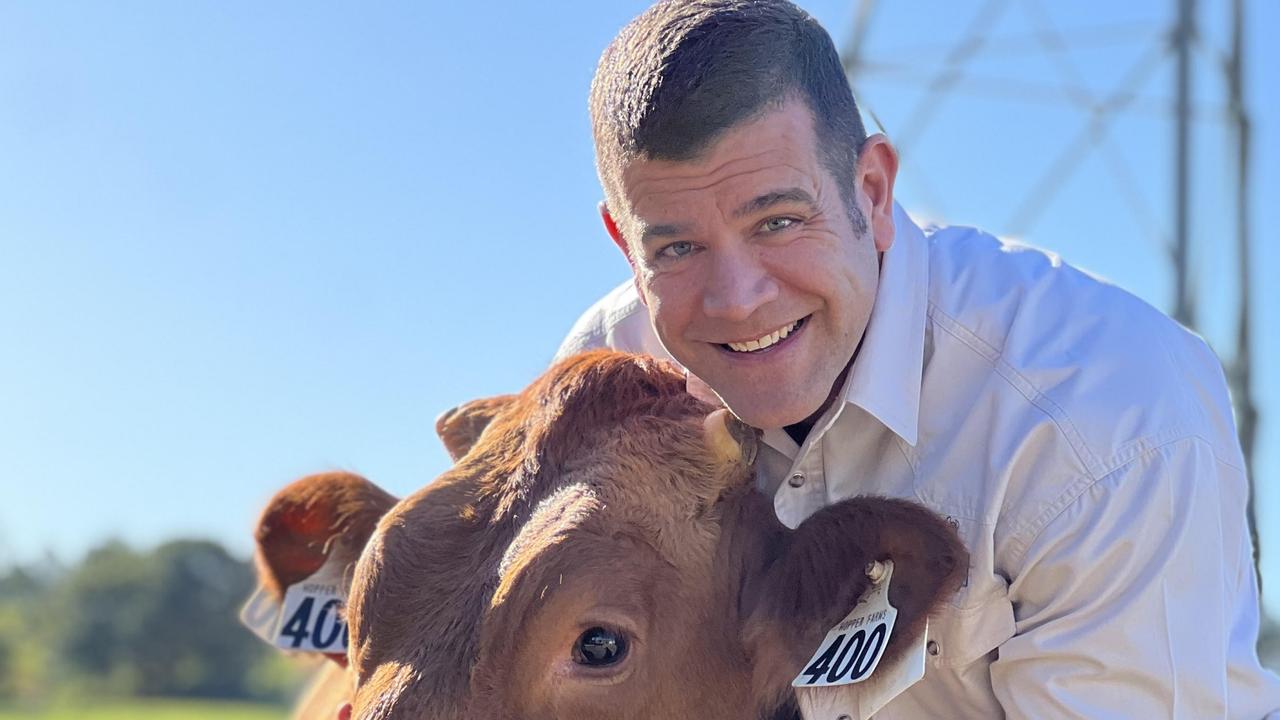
[
  {"x": 311, "y": 518},
  {"x": 460, "y": 427},
  {"x": 593, "y": 498},
  {"x": 330, "y": 688}
]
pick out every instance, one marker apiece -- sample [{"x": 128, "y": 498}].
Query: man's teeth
[{"x": 761, "y": 343}]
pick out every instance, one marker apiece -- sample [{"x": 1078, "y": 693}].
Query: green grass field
[{"x": 152, "y": 710}]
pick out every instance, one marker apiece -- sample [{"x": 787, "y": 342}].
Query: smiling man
[
  {"x": 1080, "y": 442},
  {"x": 759, "y": 274}
]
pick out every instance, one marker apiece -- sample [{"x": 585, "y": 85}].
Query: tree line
[{"x": 124, "y": 622}]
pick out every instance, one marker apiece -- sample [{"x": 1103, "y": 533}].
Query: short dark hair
[{"x": 684, "y": 71}]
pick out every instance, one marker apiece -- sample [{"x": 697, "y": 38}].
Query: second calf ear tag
[
  {"x": 261, "y": 614},
  {"x": 852, "y": 649},
  {"x": 312, "y": 617}
]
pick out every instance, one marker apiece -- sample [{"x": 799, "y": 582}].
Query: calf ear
[
  {"x": 310, "y": 520},
  {"x": 820, "y": 572},
  {"x": 460, "y": 427}
]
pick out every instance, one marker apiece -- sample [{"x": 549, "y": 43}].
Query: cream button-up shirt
[{"x": 1082, "y": 444}]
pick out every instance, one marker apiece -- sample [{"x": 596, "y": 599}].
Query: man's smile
[{"x": 767, "y": 341}]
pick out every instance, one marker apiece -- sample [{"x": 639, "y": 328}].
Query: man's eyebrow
[
  {"x": 652, "y": 233},
  {"x": 777, "y": 197}
]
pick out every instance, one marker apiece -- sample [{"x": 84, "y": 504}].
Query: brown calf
[{"x": 598, "y": 550}]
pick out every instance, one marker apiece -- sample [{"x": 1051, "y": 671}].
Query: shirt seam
[
  {"x": 1021, "y": 384},
  {"x": 1095, "y": 468},
  {"x": 908, "y": 454},
  {"x": 593, "y": 339},
  {"x": 615, "y": 316},
  {"x": 597, "y": 333},
  {"x": 1077, "y": 489}
]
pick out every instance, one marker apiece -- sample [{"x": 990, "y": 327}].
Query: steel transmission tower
[{"x": 1183, "y": 42}]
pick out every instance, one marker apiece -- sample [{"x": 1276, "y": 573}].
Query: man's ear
[
  {"x": 611, "y": 227},
  {"x": 876, "y": 172},
  {"x": 820, "y": 572},
  {"x": 313, "y": 520},
  {"x": 460, "y": 427}
]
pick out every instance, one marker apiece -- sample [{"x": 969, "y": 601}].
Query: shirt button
[
  {"x": 931, "y": 647},
  {"x": 796, "y": 480}
]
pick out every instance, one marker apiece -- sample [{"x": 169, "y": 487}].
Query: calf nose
[
  {"x": 747, "y": 437},
  {"x": 729, "y": 437}
]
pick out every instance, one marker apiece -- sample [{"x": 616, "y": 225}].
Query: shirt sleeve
[
  {"x": 1138, "y": 599},
  {"x": 617, "y": 321}
]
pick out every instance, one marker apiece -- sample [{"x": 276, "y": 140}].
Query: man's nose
[{"x": 737, "y": 284}]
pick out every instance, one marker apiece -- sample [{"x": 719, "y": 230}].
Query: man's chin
[
  {"x": 747, "y": 402},
  {"x": 765, "y": 418}
]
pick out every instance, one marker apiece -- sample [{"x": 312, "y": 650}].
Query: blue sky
[{"x": 240, "y": 243}]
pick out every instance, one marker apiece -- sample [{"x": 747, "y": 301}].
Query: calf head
[{"x": 599, "y": 550}]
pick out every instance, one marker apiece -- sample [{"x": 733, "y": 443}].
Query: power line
[
  {"x": 1030, "y": 91},
  {"x": 1183, "y": 306},
  {"x": 1094, "y": 132},
  {"x": 951, "y": 71},
  {"x": 1126, "y": 33}
]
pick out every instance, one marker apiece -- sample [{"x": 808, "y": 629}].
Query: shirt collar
[{"x": 886, "y": 375}]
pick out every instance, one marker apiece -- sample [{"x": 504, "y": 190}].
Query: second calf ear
[
  {"x": 312, "y": 518},
  {"x": 460, "y": 427}
]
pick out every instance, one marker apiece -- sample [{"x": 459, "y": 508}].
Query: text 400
[
  {"x": 300, "y": 626},
  {"x": 852, "y": 658}
]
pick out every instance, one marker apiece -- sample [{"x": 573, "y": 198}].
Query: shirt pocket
[{"x": 961, "y": 633}]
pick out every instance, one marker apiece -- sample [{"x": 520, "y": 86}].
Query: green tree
[
  {"x": 25, "y": 654},
  {"x": 161, "y": 623},
  {"x": 103, "y": 608},
  {"x": 192, "y": 643}
]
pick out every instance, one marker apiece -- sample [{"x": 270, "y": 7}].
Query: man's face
[{"x": 754, "y": 273}]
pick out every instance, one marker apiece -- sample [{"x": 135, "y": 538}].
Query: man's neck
[{"x": 799, "y": 431}]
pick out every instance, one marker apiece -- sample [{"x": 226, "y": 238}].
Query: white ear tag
[
  {"x": 852, "y": 649},
  {"x": 311, "y": 619},
  {"x": 862, "y": 701},
  {"x": 261, "y": 615}
]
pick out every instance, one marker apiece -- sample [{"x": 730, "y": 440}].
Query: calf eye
[{"x": 598, "y": 647}]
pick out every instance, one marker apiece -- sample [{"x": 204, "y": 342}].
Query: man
[{"x": 1080, "y": 442}]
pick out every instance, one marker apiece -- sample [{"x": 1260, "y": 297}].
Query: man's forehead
[
  {"x": 658, "y": 199},
  {"x": 643, "y": 178},
  {"x": 772, "y": 153}
]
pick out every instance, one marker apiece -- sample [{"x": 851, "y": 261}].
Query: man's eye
[
  {"x": 778, "y": 223},
  {"x": 676, "y": 249}
]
